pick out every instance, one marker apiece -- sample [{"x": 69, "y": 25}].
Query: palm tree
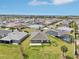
[
  {"x": 75, "y": 27},
  {"x": 64, "y": 49}
]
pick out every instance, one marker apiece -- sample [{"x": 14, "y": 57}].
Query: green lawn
[
  {"x": 51, "y": 51},
  {"x": 9, "y": 51},
  {"x": 47, "y": 52},
  {"x": 28, "y": 30}
]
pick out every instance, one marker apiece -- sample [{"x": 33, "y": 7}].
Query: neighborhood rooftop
[
  {"x": 14, "y": 36},
  {"x": 39, "y": 38},
  {"x": 4, "y": 32}
]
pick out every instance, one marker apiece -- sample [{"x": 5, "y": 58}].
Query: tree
[
  {"x": 75, "y": 27},
  {"x": 12, "y": 28},
  {"x": 77, "y": 50},
  {"x": 72, "y": 39},
  {"x": 64, "y": 49}
]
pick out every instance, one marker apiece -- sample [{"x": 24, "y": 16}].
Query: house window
[
  {"x": 35, "y": 41},
  {"x": 7, "y": 42}
]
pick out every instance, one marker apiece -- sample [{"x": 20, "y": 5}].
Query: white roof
[
  {"x": 6, "y": 38},
  {"x": 14, "y": 36},
  {"x": 45, "y": 28},
  {"x": 64, "y": 28},
  {"x": 35, "y": 26}
]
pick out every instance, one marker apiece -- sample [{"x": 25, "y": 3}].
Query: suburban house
[
  {"x": 63, "y": 30},
  {"x": 13, "y": 24},
  {"x": 60, "y": 31},
  {"x": 39, "y": 38},
  {"x": 14, "y": 37},
  {"x": 35, "y": 26},
  {"x": 65, "y": 23},
  {"x": 62, "y": 36}
]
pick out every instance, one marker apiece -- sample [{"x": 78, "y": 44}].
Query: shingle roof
[
  {"x": 64, "y": 28},
  {"x": 40, "y": 36},
  {"x": 14, "y": 36},
  {"x": 34, "y": 33},
  {"x": 54, "y": 33},
  {"x": 17, "y": 35},
  {"x": 4, "y": 32}
]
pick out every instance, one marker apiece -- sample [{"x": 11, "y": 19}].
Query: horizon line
[{"x": 33, "y": 15}]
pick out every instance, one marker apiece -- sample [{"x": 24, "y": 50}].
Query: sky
[{"x": 39, "y": 7}]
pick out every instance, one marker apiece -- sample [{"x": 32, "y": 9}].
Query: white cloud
[
  {"x": 49, "y": 2},
  {"x": 36, "y": 2},
  {"x": 60, "y": 2}
]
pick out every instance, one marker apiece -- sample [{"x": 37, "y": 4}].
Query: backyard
[
  {"x": 51, "y": 51},
  {"x": 9, "y": 51}
]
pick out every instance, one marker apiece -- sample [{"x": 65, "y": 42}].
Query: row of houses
[
  {"x": 38, "y": 38},
  {"x": 16, "y": 37},
  {"x": 62, "y": 33}
]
